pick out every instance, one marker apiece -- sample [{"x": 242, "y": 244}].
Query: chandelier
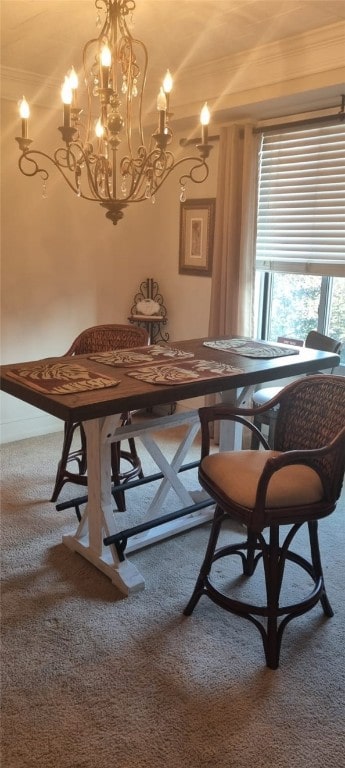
[{"x": 104, "y": 157}]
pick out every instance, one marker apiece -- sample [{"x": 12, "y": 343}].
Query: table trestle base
[{"x": 124, "y": 575}]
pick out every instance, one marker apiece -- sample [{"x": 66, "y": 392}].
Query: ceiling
[{"x": 46, "y": 37}]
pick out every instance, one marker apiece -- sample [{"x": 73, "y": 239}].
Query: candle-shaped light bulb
[
  {"x": 24, "y": 112},
  {"x": 161, "y": 101},
  {"x": 204, "y": 119},
  {"x": 99, "y": 129},
  {"x": 105, "y": 65},
  {"x": 167, "y": 82},
  {"x": 106, "y": 56},
  {"x": 167, "y": 88},
  {"x": 73, "y": 81},
  {"x": 24, "y": 109},
  {"x": 66, "y": 95},
  {"x": 66, "y": 91}
]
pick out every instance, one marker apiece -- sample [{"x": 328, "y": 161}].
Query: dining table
[{"x": 96, "y": 389}]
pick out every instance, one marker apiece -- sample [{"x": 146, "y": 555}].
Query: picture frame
[{"x": 197, "y": 219}]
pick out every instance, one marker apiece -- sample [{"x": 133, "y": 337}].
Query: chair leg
[
  {"x": 60, "y": 474},
  {"x": 271, "y": 618},
  {"x": 269, "y": 419},
  {"x": 273, "y": 578},
  {"x": 255, "y": 443},
  {"x": 119, "y": 496},
  {"x": 249, "y": 562},
  {"x": 132, "y": 457},
  {"x": 316, "y": 561},
  {"x": 135, "y": 457},
  {"x": 272, "y": 427},
  {"x": 199, "y": 588},
  {"x": 80, "y": 456}
]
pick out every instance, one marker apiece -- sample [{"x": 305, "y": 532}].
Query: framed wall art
[{"x": 196, "y": 236}]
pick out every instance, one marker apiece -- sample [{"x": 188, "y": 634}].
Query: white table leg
[{"x": 98, "y": 519}]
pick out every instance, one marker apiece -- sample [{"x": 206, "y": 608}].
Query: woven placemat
[
  {"x": 249, "y": 348},
  {"x": 127, "y": 357},
  {"x": 60, "y": 378},
  {"x": 182, "y": 373}
]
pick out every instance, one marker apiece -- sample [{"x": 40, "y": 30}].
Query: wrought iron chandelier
[{"x": 104, "y": 158}]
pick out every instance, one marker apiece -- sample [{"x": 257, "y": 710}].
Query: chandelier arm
[
  {"x": 92, "y": 160},
  {"x": 200, "y": 165},
  {"x": 88, "y": 45},
  {"x": 36, "y": 169},
  {"x": 101, "y": 5},
  {"x": 144, "y": 78},
  {"x": 134, "y": 168},
  {"x": 146, "y": 167},
  {"x": 27, "y": 156},
  {"x": 45, "y": 174},
  {"x": 142, "y": 90},
  {"x": 136, "y": 183},
  {"x": 43, "y": 171},
  {"x": 74, "y": 163},
  {"x": 100, "y": 173}
]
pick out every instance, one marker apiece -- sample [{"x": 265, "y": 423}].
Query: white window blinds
[{"x": 301, "y": 206}]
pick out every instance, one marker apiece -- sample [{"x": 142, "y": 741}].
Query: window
[
  {"x": 300, "y": 255},
  {"x": 291, "y": 305}
]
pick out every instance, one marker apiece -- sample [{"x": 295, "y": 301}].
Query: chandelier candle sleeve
[
  {"x": 105, "y": 65},
  {"x": 24, "y": 112},
  {"x": 162, "y": 107},
  {"x": 73, "y": 81},
  {"x": 167, "y": 87},
  {"x": 99, "y": 131},
  {"x": 204, "y": 119},
  {"x": 66, "y": 95}
]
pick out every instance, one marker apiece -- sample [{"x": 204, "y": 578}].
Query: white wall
[{"x": 66, "y": 267}]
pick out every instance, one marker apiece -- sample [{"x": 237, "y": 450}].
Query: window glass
[
  {"x": 288, "y": 306},
  {"x": 294, "y": 305}
]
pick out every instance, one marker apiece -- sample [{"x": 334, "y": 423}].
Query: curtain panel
[{"x": 233, "y": 280}]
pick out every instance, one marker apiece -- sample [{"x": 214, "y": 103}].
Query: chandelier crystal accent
[{"x": 104, "y": 158}]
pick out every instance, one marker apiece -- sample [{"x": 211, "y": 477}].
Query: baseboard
[{"x": 21, "y": 429}]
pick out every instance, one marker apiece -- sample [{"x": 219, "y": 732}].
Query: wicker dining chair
[
  {"x": 314, "y": 340},
  {"x": 297, "y": 483},
  {"x": 100, "y": 338}
]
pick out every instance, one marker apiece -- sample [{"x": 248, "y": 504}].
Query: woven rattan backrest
[
  {"x": 103, "y": 338},
  {"x": 316, "y": 340},
  {"x": 311, "y": 415}
]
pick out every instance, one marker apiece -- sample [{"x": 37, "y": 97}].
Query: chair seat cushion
[
  {"x": 262, "y": 396},
  {"x": 236, "y": 474}
]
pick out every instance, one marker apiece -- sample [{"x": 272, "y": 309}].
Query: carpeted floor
[{"x": 92, "y": 680}]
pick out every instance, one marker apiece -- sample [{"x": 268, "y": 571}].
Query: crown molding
[{"x": 320, "y": 52}]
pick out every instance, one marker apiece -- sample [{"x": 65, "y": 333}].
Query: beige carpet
[{"x": 90, "y": 680}]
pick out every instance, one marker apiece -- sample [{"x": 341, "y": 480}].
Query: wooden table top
[{"x": 132, "y": 394}]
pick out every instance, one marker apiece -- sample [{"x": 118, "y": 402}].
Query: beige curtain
[{"x": 232, "y": 292}]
